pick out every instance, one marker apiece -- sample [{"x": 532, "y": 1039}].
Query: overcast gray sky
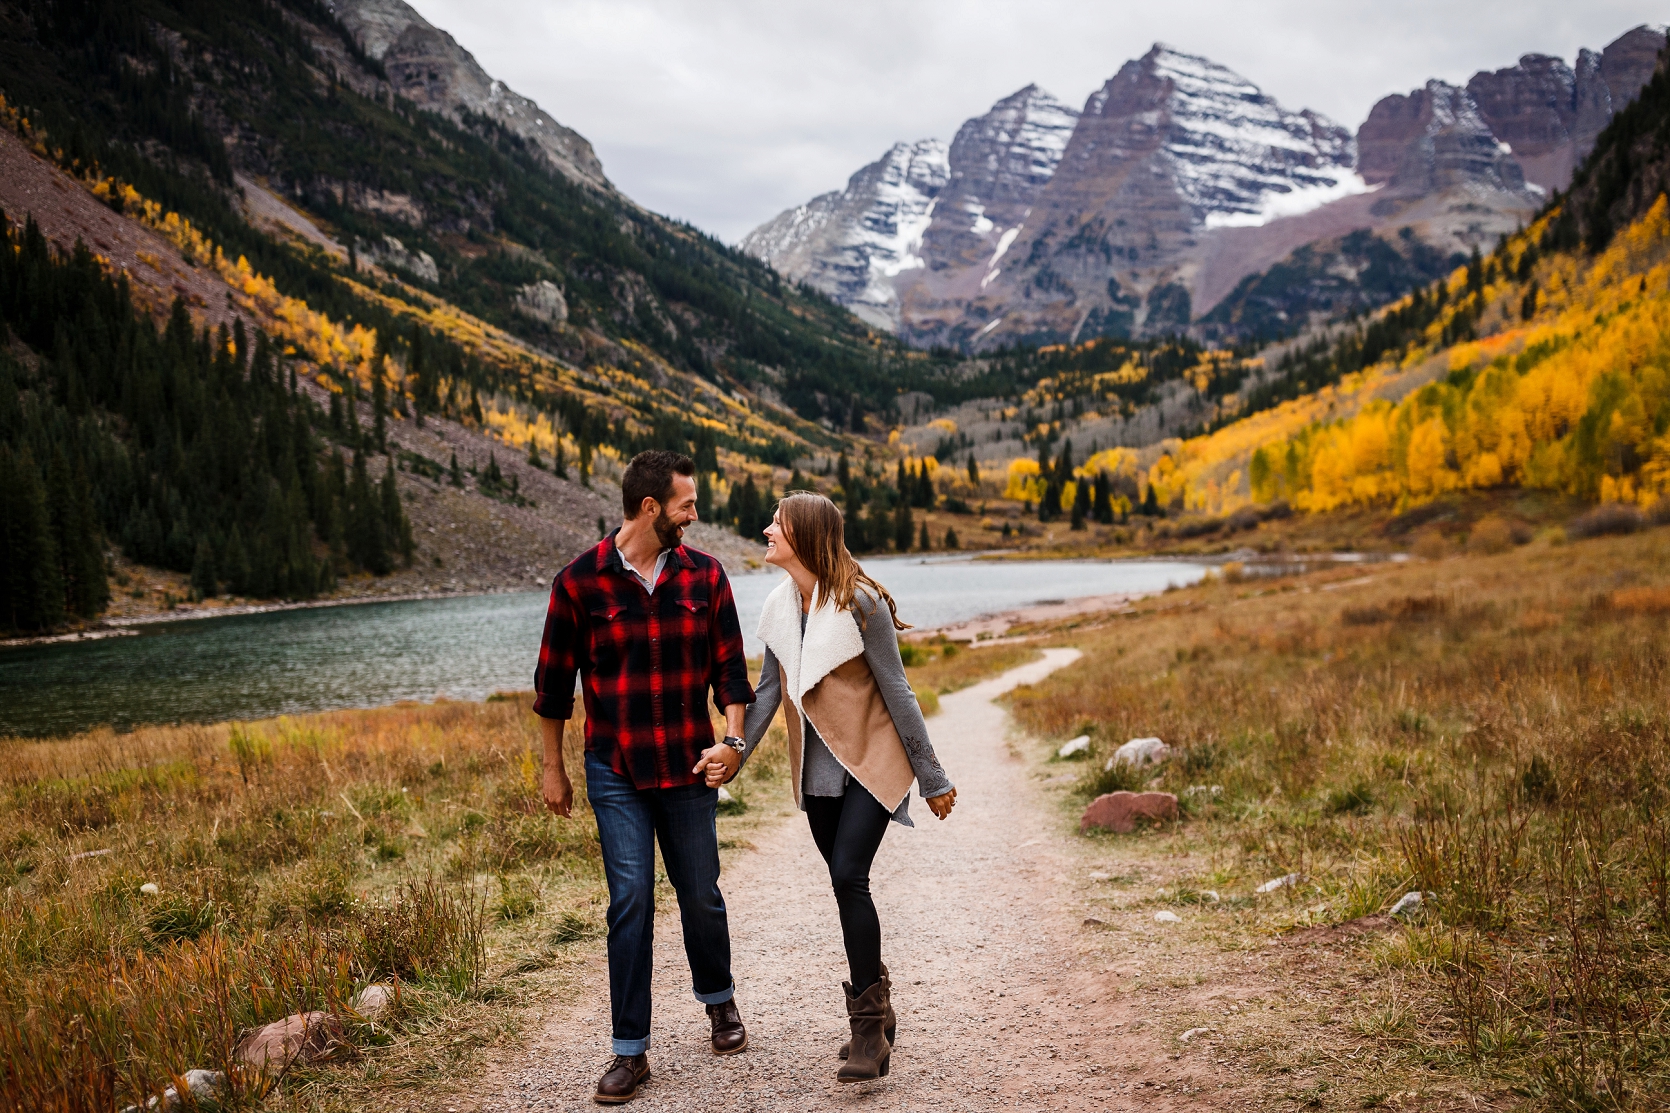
[{"x": 725, "y": 112}]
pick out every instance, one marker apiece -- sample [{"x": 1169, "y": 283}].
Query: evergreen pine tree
[
  {"x": 923, "y": 541},
  {"x": 843, "y": 477},
  {"x": 31, "y": 585},
  {"x": 455, "y": 474},
  {"x": 379, "y": 405},
  {"x": 1081, "y": 502},
  {"x": 559, "y": 467},
  {"x": 904, "y": 529},
  {"x": 1151, "y": 502},
  {"x": 1104, "y": 498},
  {"x": 234, "y": 564},
  {"x": 397, "y": 526},
  {"x": 796, "y": 482},
  {"x": 533, "y": 454},
  {"x": 585, "y": 462},
  {"x": 203, "y": 582},
  {"x": 76, "y": 531},
  {"x": 951, "y": 541},
  {"x": 973, "y": 471},
  {"x": 367, "y": 540},
  {"x": 704, "y": 496}
]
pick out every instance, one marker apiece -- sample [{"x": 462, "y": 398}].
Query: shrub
[
  {"x": 1411, "y": 608},
  {"x": 518, "y": 897},
  {"x": 1430, "y": 545},
  {"x": 1121, "y": 777},
  {"x": 425, "y": 933},
  {"x": 1640, "y": 600},
  {"x": 1607, "y": 518},
  {"x": 1491, "y": 535}
]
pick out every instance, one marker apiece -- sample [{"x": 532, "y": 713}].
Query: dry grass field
[
  {"x": 1491, "y": 730},
  {"x": 295, "y": 861}
]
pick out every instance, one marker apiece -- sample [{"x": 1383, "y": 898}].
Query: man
[{"x": 650, "y": 626}]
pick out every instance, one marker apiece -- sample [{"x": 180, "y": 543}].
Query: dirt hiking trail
[{"x": 1005, "y": 998}]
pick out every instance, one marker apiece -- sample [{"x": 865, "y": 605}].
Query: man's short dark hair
[{"x": 650, "y": 476}]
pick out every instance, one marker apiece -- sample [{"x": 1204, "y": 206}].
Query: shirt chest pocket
[
  {"x": 613, "y": 627},
  {"x": 690, "y": 614}
]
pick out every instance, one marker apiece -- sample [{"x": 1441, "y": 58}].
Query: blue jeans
[{"x": 628, "y": 823}]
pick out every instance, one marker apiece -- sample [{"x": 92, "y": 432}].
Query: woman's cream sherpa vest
[{"x": 826, "y": 680}]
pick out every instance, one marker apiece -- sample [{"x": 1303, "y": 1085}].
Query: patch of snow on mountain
[
  {"x": 1003, "y": 243},
  {"x": 900, "y": 209},
  {"x": 1292, "y": 203},
  {"x": 1239, "y": 157}
]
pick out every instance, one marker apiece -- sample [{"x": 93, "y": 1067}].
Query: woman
[{"x": 856, "y": 738}]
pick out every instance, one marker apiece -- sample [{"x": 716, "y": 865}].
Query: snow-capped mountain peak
[
  {"x": 1239, "y": 157},
  {"x": 851, "y": 243}
]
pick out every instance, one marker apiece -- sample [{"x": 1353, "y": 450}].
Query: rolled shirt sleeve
[
  {"x": 730, "y": 664},
  {"x": 559, "y": 658}
]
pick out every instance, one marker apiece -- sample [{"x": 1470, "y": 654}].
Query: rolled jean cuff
[
  {"x": 630, "y": 1047},
  {"x": 715, "y": 998}
]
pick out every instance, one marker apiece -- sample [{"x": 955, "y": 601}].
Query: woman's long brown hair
[{"x": 816, "y": 532}]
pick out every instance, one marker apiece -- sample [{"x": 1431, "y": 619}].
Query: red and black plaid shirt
[{"x": 645, "y": 661}]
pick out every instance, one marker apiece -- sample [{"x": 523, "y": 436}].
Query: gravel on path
[{"x": 981, "y": 932}]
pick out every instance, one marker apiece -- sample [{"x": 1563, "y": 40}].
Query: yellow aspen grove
[{"x": 1576, "y": 400}]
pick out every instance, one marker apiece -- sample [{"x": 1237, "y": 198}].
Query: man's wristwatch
[{"x": 734, "y": 743}]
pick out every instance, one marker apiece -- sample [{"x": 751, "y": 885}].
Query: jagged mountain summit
[
  {"x": 1181, "y": 181},
  {"x": 1172, "y": 145},
  {"x": 1549, "y": 113},
  {"x": 852, "y": 243},
  {"x": 426, "y": 66}
]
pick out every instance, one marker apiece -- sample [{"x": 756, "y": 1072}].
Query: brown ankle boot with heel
[
  {"x": 892, "y": 1022},
  {"x": 868, "y": 1052}
]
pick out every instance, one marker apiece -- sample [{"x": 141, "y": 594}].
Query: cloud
[{"x": 725, "y": 112}]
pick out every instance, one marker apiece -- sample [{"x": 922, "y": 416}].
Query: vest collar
[{"x": 831, "y": 638}]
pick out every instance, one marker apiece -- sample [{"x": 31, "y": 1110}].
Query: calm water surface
[{"x": 371, "y": 654}]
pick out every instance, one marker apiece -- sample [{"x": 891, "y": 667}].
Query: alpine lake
[{"x": 322, "y": 658}]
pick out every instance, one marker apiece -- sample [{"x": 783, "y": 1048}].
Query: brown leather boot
[
  {"x": 868, "y": 1052},
  {"x": 729, "y": 1036},
  {"x": 620, "y": 1082},
  {"x": 892, "y": 1021}
]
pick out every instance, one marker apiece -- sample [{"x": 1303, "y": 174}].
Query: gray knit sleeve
[
  {"x": 881, "y": 651},
  {"x": 768, "y": 696}
]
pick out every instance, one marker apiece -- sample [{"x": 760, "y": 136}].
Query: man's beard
[{"x": 668, "y": 532}]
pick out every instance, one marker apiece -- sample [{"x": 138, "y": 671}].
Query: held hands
[
  {"x": 720, "y": 762},
  {"x": 557, "y": 790},
  {"x": 941, "y": 805}
]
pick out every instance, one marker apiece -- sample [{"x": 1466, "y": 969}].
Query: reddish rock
[
  {"x": 1119, "y": 811},
  {"x": 300, "y": 1037}
]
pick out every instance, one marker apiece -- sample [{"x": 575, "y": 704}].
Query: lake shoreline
[{"x": 122, "y": 625}]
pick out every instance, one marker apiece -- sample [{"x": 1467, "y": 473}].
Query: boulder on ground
[
  {"x": 1073, "y": 747},
  {"x": 373, "y": 1001},
  {"x": 301, "y": 1038},
  {"x": 1119, "y": 811},
  {"x": 1140, "y": 752}
]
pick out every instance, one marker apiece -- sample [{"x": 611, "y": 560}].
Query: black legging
[{"x": 848, "y": 831}]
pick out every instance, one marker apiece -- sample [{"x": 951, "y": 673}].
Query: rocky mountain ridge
[
  {"x": 426, "y": 66},
  {"x": 1178, "y": 180}
]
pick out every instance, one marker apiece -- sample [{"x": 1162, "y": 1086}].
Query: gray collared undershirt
[{"x": 654, "y": 576}]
